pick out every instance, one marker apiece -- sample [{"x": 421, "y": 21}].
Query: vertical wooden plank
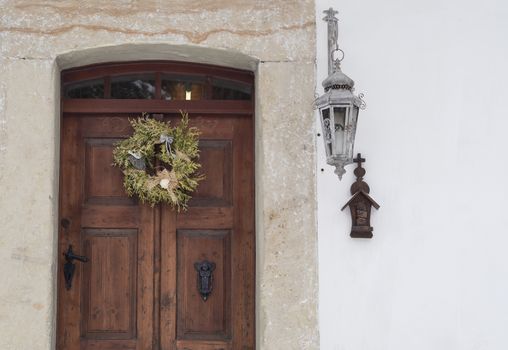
[
  {"x": 70, "y": 204},
  {"x": 168, "y": 279},
  {"x": 145, "y": 277},
  {"x": 243, "y": 237},
  {"x": 156, "y": 278}
]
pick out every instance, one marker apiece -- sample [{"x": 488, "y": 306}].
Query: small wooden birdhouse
[{"x": 360, "y": 203}]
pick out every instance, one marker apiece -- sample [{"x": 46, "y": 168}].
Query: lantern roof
[{"x": 338, "y": 80}]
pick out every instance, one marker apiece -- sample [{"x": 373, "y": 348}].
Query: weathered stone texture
[
  {"x": 269, "y": 30},
  {"x": 27, "y": 202},
  {"x": 276, "y": 39},
  {"x": 287, "y": 283}
]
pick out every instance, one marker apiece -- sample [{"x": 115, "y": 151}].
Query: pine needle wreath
[{"x": 159, "y": 162}]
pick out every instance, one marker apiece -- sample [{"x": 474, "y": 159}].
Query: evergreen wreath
[{"x": 159, "y": 162}]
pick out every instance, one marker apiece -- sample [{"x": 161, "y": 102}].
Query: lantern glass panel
[
  {"x": 339, "y": 121},
  {"x": 353, "y": 120},
  {"x": 327, "y": 131}
]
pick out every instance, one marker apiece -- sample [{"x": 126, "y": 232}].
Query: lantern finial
[{"x": 339, "y": 170}]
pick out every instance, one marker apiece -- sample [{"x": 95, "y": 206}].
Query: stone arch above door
[{"x": 154, "y": 52}]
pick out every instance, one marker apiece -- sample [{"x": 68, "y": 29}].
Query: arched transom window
[{"x": 115, "y": 86}]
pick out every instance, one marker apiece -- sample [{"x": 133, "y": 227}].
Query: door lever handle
[
  {"x": 69, "y": 267},
  {"x": 69, "y": 255}
]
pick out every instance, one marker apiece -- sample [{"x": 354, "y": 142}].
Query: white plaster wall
[{"x": 435, "y": 275}]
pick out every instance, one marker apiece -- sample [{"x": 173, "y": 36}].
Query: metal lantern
[{"x": 338, "y": 106}]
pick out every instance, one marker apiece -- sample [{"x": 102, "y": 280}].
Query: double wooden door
[{"x": 138, "y": 288}]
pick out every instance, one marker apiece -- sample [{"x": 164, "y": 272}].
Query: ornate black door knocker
[{"x": 205, "y": 278}]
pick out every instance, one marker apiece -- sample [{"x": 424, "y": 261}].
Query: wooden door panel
[
  {"x": 216, "y": 189},
  {"x": 103, "y": 216},
  {"x": 103, "y": 182},
  {"x": 206, "y": 217},
  {"x": 105, "y": 126},
  {"x": 109, "y": 284},
  {"x": 197, "y": 318}
]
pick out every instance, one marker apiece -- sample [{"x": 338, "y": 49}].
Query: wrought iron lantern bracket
[{"x": 338, "y": 106}]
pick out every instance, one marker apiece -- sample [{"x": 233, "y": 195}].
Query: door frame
[
  {"x": 284, "y": 92},
  {"x": 218, "y": 108}
]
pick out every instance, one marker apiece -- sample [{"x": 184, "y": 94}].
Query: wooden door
[
  {"x": 110, "y": 302},
  {"x": 218, "y": 228},
  {"x": 139, "y": 287}
]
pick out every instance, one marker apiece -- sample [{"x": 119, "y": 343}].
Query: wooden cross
[
  {"x": 330, "y": 15},
  {"x": 359, "y": 160}
]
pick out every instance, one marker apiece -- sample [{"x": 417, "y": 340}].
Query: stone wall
[{"x": 274, "y": 39}]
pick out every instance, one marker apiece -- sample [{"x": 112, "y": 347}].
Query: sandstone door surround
[{"x": 39, "y": 40}]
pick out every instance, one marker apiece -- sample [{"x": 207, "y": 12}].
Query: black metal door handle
[
  {"x": 69, "y": 266},
  {"x": 69, "y": 255}
]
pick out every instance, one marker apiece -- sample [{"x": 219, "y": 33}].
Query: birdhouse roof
[{"x": 366, "y": 195}]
